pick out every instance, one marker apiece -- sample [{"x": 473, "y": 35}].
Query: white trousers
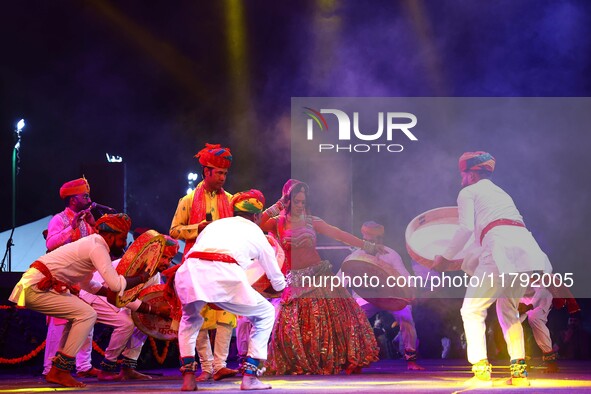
[
  {"x": 538, "y": 317},
  {"x": 261, "y": 315},
  {"x": 214, "y": 361},
  {"x": 244, "y": 326},
  {"x": 126, "y": 339},
  {"x": 474, "y": 310}
]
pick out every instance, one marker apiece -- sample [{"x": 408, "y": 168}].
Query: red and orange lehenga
[{"x": 317, "y": 331}]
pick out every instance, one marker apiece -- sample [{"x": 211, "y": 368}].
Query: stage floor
[{"x": 441, "y": 376}]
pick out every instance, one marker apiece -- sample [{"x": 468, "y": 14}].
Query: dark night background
[{"x": 153, "y": 81}]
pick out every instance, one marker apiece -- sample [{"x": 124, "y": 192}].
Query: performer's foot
[
  {"x": 106, "y": 376},
  {"x": 132, "y": 374},
  {"x": 250, "y": 382},
  {"x": 482, "y": 370},
  {"x": 189, "y": 382},
  {"x": 62, "y": 377},
  {"x": 413, "y": 366},
  {"x": 223, "y": 373},
  {"x": 204, "y": 376},
  {"x": 518, "y": 370},
  {"x": 91, "y": 373}
]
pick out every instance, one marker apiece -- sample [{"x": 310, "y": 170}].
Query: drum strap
[
  {"x": 49, "y": 282},
  {"x": 210, "y": 256},
  {"x": 499, "y": 222}
]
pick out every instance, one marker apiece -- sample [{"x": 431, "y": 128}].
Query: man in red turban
[
  {"x": 207, "y": 203},
  {"x": 489, "y": 214}
]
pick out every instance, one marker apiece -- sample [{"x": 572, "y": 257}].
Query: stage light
[
  {"x": 114, "y": 159},
  {"x": 20, "y": 125},
  {"x": 189, "y": 190},
  {"x": 192, "y": 177}
]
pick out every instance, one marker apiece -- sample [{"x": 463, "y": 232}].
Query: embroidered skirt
[{"x": 319, "y": 331}]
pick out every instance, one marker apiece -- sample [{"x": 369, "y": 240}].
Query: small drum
[
  {"x": 430, "y": 233},
  {"x": 152, "y": 325},
  {"x": 257, "y": 277},
  {"x": 360, "y": 264},
  {"x": 143, "y": 255}
]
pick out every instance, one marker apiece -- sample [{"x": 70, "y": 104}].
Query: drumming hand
[
  {"x": 522, "y": 308},
  {"x": 162, "y": 310}
]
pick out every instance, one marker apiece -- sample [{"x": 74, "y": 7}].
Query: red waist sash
[
  {"x": 49, "y": 282},
  {"x": 210, "y": 256},
  {"x": 499, "y": 222}
]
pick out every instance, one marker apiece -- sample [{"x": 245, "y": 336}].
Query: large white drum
[
  {"x": 430, "y": 233},
  {"x": 360, "y": 264}
]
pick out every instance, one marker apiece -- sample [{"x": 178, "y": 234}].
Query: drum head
[
  {"x": 256, "y": 275},
  {"x": 361, "y": 265},
  {"x": 152, "y": 325},
  {"x": 430, "y": 233},
  {"x": 143, "y": 255}
]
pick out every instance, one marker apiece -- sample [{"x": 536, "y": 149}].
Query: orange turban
[
  {"x": 477, "y": 161},
  {"x": 215, "y": 156},
  {"x": 77, "y": 186},
  {"x": 171, "y": 247},
  {"x": 251, "y": 201},
  {"x": 372, "y": 229},
  {"x": 117, "y": 223}
]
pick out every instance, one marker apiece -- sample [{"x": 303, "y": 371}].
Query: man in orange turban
[
  {"x": 207, "y": 203},
  {"x": 489, "y": 214},
  {"x": 75, "y": 221}
]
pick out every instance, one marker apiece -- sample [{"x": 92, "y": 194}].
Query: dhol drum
[
  {"x": 152, "y": 325},
  {"x": 430, "y": 233},
  {"x": 387, "y": 297},
  {"x": 256, "y": 275},
  {"x": 143, "y": 255}
]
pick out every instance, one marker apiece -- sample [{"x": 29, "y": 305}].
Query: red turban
[
  {"x": 117, "y": 223},
  {"x": 215, "y": 156},
  {"x": 171, "y": 247},
  {"x": 372, "y": 229},
  {"x": 77, "y": 186},
  {"x": 478, "y": 161},
  {"x": 251, "y": 201}
]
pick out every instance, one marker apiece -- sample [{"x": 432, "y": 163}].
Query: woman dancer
[{"x": 317, "y": 330}]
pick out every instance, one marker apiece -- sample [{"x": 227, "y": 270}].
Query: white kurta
[
  {"x": 214, "y": 281},
  {"x": 199, "y": 281},
  {"x": 512, "y": 248}
]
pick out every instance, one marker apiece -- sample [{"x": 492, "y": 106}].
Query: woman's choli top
[{"x": 299, "y": 237}]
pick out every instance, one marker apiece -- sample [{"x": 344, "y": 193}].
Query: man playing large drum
[
  {"x": 489, "y": 213},
  {"x": 374, "y": 232},
  {"x": 47, "y": 287}
]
